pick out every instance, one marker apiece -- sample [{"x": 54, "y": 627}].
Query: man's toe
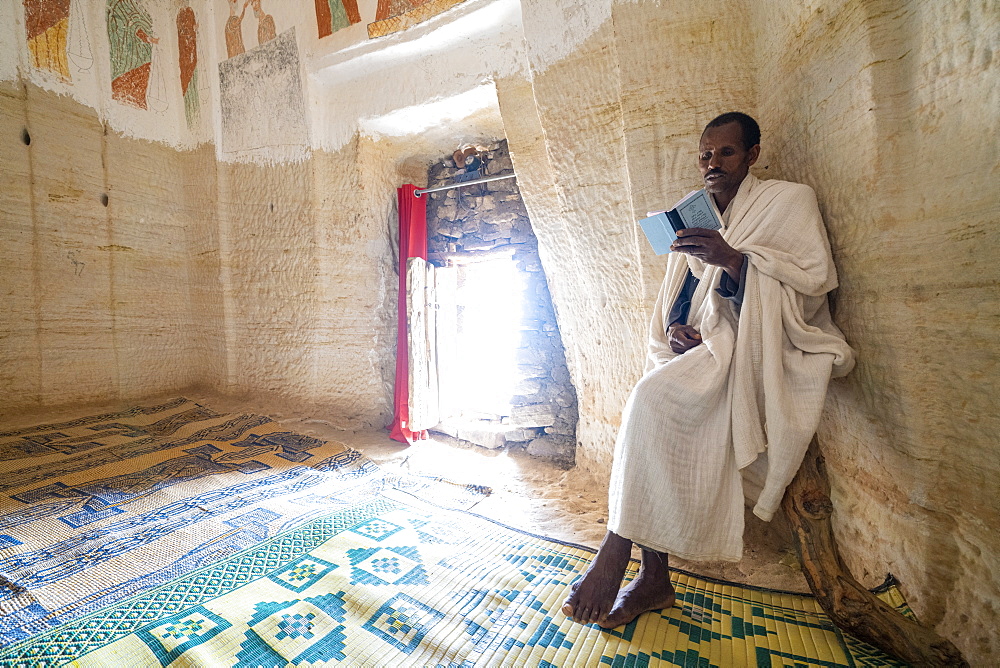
[
  {"x": 594, "y": 614},
  {"x": 611, "y": 620}
]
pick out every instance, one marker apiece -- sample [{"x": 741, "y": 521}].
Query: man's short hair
[{"x": 748, "y": 126}]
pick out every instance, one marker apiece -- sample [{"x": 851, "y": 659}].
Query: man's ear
[{"x": 754, "y": 154}]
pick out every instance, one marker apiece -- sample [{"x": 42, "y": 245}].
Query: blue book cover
[
  {"x": 695, "y": 210},
  {"x": 659, "y": 231}
]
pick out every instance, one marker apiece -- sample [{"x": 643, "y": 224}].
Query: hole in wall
[
  {"x": 510, "y": 386},
  {"x": 489, "y": 312},
  {"x": 26, "y": 136},
  {"x": 104, "y": 199}
]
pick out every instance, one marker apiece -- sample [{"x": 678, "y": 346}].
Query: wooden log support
[{"x": 852, "y": 607}]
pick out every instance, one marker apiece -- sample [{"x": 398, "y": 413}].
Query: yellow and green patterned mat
[{"x": 172, "y": 535}]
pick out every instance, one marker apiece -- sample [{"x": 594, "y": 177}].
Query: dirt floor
[{"x": 528, "y": 493}]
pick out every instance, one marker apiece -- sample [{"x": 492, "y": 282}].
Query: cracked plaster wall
[{"x": 888, "y": 109}]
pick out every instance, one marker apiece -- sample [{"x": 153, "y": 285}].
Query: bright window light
[{"x": 489, "y": 333}]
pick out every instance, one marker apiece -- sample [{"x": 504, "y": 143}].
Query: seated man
[{"x": 741, "y": 349}]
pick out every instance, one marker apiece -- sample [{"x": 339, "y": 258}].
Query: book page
[{"x": 696, "y": 211}]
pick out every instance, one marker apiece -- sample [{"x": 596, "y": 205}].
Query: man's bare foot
[
  {"x": 594, "y": 594},
  {"x": 650, "y": 590}
]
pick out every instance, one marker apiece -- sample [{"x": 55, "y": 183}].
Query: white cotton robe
[{"x": 755, "y": 386}]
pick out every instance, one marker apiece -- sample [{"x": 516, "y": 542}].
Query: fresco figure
[
  {"x": 131, "y": 40},
  {"x": 80, "y": 52},
  {"x": 265, "y": 24},
  {"x": 234, "y": 29},
  {"x": 187, "y": 50},
  {"x": 46, "y": 23},
  {"x": 389, "y": 8},
  {"x": 332, "y": 15}
]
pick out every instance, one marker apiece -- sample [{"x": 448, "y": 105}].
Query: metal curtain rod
[{"x": 462, "y": 184}]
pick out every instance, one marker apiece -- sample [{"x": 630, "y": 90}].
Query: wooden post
[{"x": 852, "y": 607}]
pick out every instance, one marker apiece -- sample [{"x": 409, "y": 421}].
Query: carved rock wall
[
  {"x": 878, "y": 106},
  {"x": 882, "y": 122},
  {"x": 96, "y": 277},
  {"x": 887, "y": 108},
  {"x": 272, "y": 281}
]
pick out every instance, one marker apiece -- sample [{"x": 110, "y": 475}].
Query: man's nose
[{"x": 714, "y": 161}]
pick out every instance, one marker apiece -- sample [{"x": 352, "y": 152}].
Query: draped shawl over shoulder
[{"x": 755, "y": 385}]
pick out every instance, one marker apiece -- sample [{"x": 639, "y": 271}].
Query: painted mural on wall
[
  {"x": 333, "y": 15},
  {"x": 395, "y": 15},
  {"x": 234, "y": 28},
  {"x": 265, "y": 23},
  {"x": 187, "y": 51},
  {"x": 80, "y": 54},
  {"x": 132, "y": 44},
  {"x": 47, "y": 25},
  {"x": 266, "y": 30},
  {"x": 260, "y": 97}
]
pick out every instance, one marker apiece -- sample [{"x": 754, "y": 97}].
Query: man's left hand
[{"x": 709, "y": 247}]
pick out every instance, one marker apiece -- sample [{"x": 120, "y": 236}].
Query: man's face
[{"x": 723, "y": 161}]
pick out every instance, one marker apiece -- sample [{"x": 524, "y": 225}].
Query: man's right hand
[{"x": 682, "y": 338}]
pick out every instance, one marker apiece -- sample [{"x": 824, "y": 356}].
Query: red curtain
[{"x": 412, "y": 243}]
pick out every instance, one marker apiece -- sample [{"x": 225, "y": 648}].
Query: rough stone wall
[
  {"x": 354, "y": 202},
  {"x": 266, "y": 280},
  {"x": 205, "y": 269},
  {"x": 604, "y": 135},
  {"x": 582, "y": 218},
  {"x": 668, "y": 97},
  {"x": 268, "y": 276},
  {"x": 490, "y": 219}
]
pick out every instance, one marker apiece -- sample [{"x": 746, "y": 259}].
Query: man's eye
[{"x": 706, "y": 156}]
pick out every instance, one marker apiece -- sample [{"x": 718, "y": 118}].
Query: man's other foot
[
  {"x": 645, "y": 593},
  {"x": 593, "y": 595}
]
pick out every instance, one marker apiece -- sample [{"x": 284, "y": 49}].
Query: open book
[{"x": 695, "y": 210}]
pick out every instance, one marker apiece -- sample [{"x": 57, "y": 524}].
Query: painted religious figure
[
  {"x": 234, "y": 28},
  {"x": 131, "y": 40},
  {"x": 187, "y": 50},
  {"x": 265, "y": 23},
  {"x": 395, "y": 15},
  {"x": 47, "y": 25},
  {"x": 332, "y": 15}
]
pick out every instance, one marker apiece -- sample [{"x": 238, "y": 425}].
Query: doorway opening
[
  {"x": 502, "y": 379},
  {"x": 488, "y": 314}
]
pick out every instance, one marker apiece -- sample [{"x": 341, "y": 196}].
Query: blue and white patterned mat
[{"x": 177, "y": 536}]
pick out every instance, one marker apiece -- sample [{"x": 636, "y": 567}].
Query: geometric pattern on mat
[
  {"x": 172, "y": 535},
  {"x": 488, "y": 595},
  {"x": 99, "y": 508}
]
